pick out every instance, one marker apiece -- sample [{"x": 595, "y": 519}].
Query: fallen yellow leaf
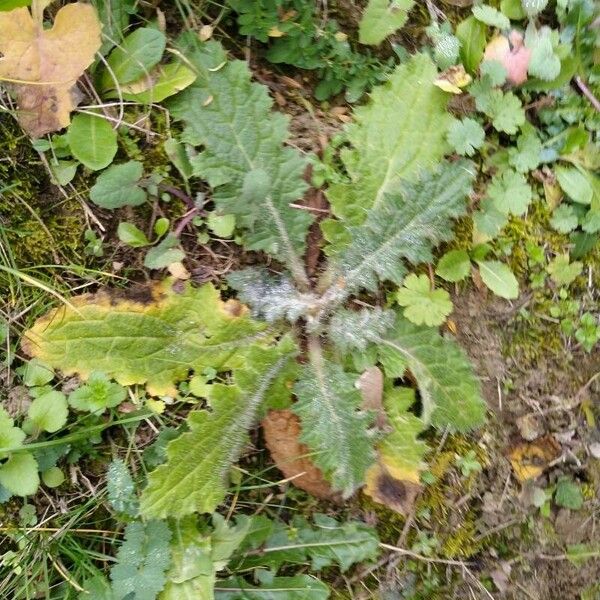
[
  {"x": 43, "y": 65},
  {"x": 530, "y": 460}
]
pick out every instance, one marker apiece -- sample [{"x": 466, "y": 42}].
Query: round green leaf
[
  {"x": 49, "y": 411},
  {"x": 19, "y": 474},
  {"x": 132, "y": 236},
  {"x": 37, "y": 373},
  {"x": 135, "y": 56},
  {"x": 499, "y": 278},
  {"x": 454, "y": 265},
  {"x": 575, "y": 184},
  {"x": 53, "y": 477},
  {"x": 92, "y": 140},
  {"x": 118, "y": 186}
]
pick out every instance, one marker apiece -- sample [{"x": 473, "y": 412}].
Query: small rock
[{"x": 595, "y": 449}]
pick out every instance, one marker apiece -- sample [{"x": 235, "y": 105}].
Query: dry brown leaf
[
  {"x": 530, "y": 460},
  {"x": 385, "y": 488},
  {"x": 281, "y": 429},
  {"x": 43, "y": 65}
]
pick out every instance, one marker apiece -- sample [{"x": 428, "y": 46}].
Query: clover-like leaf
[
  {"x": 562, "y": 271},
  {"x": 97, "y": 394},
  {"x": 466, "y": 136},
  {"x": 510, "y": 192},
  {"x": 423, "y": 305}
]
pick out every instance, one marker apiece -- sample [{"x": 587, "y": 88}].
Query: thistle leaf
[
  {"x": 353, "y": 330},
  {"x": 397, "y": 135},
  {"x": 194, "y": 476},
  {"x": 450, "y": 393},
  {"x": 324, "y": 543},
  {"x": 271, "y": 297},
  {"x": 333, "y": 424},
  {"x": 243, "y": 153},
  {"x": 405, "y": 225},
  {"x": 154, "y": 337}
]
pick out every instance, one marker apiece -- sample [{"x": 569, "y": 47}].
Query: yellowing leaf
[
  {"x": 153, "y": 336},
  {"x": 394, "y": 479},
  {"x": 164, "y": 81},
  {"x": 530, "y": 460},
  {"x": 43, "y": 65},
  {"x": 453, "y": 79}
]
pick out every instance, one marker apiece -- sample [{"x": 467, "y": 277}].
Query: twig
[
  {"x": 178, "y": 193},
  {"x": 585, "y": 90},
  {"x": 411, "y": 554},
  {"x": 185, "y": 220}
]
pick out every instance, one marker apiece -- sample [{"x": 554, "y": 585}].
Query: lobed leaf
[
  {"x": 194, "y": 478},
  {"x": 333, "y": 424},
  {"x": 243, "y": 156},
  {"x": 142, "y": 561},
  {"x": 397, "y": 135},
  {"x": 404, "y": 225},
  {"x": 450, "y": 392}
]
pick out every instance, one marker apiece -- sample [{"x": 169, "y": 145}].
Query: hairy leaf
[
  {"x": 381, "y": 18},
  {"x": 44, "y": 64},
  {"x": 404, "y": 225},
  {"x": 154, "y": 337},
  {"x": 192, "y": 574},
  {"x": 142, "y": 561},
  {"x": 396, "y": 136},
  {"x": 353, "y": 330},
  {"x": 450, "y": 393},
  {"x": 333, "y": 424},
  {"x": 324, "y": 543},
  {"x": 272, "y": 297},
  {"x": 194, "y": 478},
  {"x": 121, "y": 489},
  {"x": 243, "y": 156}
]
